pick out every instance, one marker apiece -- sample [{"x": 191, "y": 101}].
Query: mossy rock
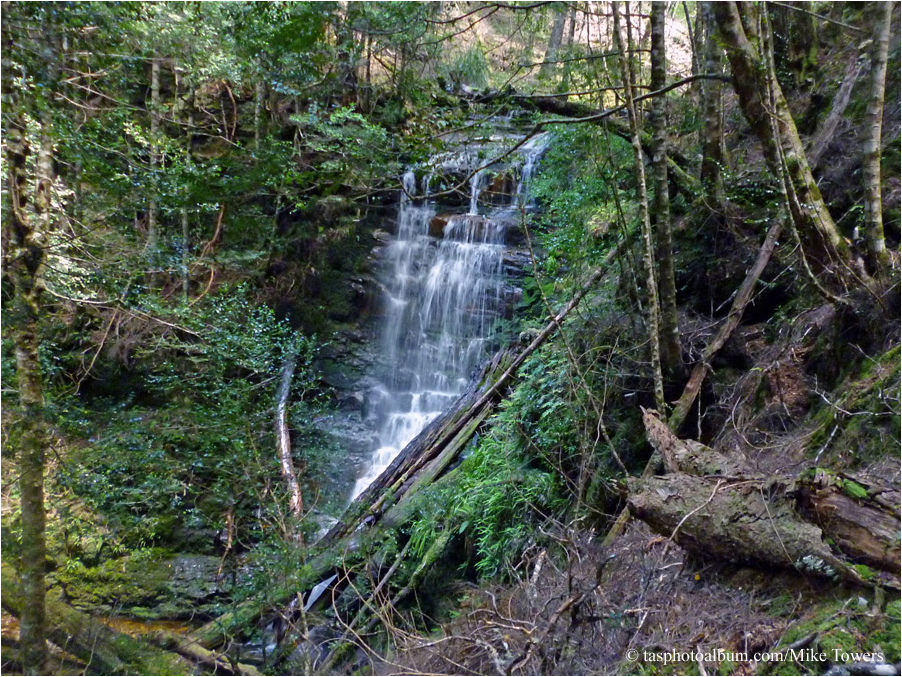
[
  {"x": 135, "y": 580},
  {"x": 148, "y": 584}
]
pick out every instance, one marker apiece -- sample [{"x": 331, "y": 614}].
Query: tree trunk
[
  {"x": 825, "y": 134},
  {"x": 765, "y": 108},
  {"x": 571, "y": 34},
  {"x": 184, "y": 215},
  {"x": 873, "y": 207},
  {"x": 283, "y": 439},
  {"x": 152, "y": 206},
  {"x": 259, "y": 107},
  {"x": 693, "y": 38},
  {"x": 712, "y": 129},
  {"x": 25, "y": 263},
  {"x": 554, "y": 41},
  {"x": 653, "y": 306},
  {"x": 670, "y": 333}
]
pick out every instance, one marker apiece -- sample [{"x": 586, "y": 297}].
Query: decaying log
[
  {"x": 862, "y": 520},
  {"x": 220, "y": 664},
  {"x": 736, "y": 520},
  {"x": 283, "y": 439},
  {"x": 717, "y": 506},
  {"x": 689, "y": 455},
  {"x": 102, "y": 649}
]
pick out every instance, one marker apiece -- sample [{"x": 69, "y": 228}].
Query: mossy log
[
  {"x": 579, "y": 112},
  {"x": 860, "y": 518},
  {"x": 716, "y": 506},
  {"x": 102, "y": 649}
]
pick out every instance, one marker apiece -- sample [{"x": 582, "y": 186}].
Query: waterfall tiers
[{"x": 446, "y": 288}]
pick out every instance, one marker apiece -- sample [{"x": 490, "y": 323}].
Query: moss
[
  {"x": 841, "y": 626},
  {"x": 853, "y": 489},
  {"x": 869, "y": 391},
  {"x": 865, "y": 572},
  {"x": 138, "y": 579}
]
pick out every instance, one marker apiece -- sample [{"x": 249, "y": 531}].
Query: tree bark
[
  {"x": 765, "y": 108},
  {"x": 670, "y": 333},
  {"x": 152, "y": 206},
  {"x": 653, "y": 308},
  {"x": 825, "y": 134},
  {"x": 259, "y": 96},
  {"x": 873, "y": 207},
  {"x": 283, "y": 440},
  {"x": 26, "y": 261},
  {"x": 554, "y": 41},
  {"x": 712, "y": 132}
]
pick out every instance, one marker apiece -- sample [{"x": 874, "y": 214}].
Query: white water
[{"x": 443, "y": 299}]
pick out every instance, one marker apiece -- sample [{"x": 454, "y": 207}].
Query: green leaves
[{"x": 354, "y": 150}]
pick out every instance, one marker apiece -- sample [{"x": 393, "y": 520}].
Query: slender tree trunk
[
  {"x": 763, "y": 103},
  {"x": 693, "y": 38},
  {"x": 25, "y": 263},
  {"x": 819, "y": 143},
  {"x": 571, "y": 34},
  {"x": 283, "y": 439},
  {"x": 186, "y": 224},
  {"x": 670, "y": 333},
  {"x": 712, "y": 134},
  {"x": 653, "y": 306},
  {"x": 554, "y": 42},
  {"x": 873, "y": 208},
  {"x": 259, "y": 95},
  {"x": 152, "y": 206}
]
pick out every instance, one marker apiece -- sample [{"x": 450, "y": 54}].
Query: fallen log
[
  {"x": 218, "y": 663},
  {"x": 102, "y": 649},
  {"x": 734, "y": 514},
  {"x": 861, "y": 519},
  {"x": 283, "y": 438},
  {"x": 734, "y": 317},
  {"x": 700, "y": 371},
  {"x": 580, "y": 113}
]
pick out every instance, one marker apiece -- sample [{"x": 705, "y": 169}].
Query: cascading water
[{"x": 443, "y": 299}]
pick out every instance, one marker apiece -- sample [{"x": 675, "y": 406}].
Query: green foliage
[
  {"x": 356, "y": 150},
  {"x": 469, "y": 68},
  {"x": 583, "y": 184},
  {"x": 165, "y": 473},
  {"x": 523, "y": 471}
]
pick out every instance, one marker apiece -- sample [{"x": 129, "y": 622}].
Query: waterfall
[{"x": 444, "y": 294}]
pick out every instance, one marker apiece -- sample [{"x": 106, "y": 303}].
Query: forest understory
[{"x": 451, "y": 338}]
